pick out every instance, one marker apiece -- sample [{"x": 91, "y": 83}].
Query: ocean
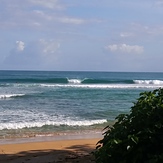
[{"x": 35, "y": 103}]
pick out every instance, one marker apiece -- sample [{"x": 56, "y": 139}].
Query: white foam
[
  {"x": 105, "y": 86},
  {"x": 48, "y": 85},
  {"x": 4, "y": 96},
  {"x": 74, "y": 81},
  {"x": 54, "y": 123},
  {"x": 155, "y": 82}
]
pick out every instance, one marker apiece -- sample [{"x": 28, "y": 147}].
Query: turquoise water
[{"x": 49, "y": 102}]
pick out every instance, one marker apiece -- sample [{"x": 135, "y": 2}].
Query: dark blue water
[{"x": 43, "y": 101}]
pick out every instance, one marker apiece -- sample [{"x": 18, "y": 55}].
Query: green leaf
[{"x": 137, "y": 136}]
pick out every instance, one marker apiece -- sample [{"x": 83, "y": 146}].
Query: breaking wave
[
  {"x": 4, "y": 96},
  {"x": 54, "y": 123},
  {"x": 155, "y": 82}
]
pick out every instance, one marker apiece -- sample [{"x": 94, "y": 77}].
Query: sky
[{"x": 81, "y": 35}]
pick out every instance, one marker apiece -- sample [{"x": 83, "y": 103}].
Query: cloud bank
[{"x": 74, "y": 35}]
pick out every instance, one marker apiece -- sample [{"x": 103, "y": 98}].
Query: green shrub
[{"x": 136, "y": 137}]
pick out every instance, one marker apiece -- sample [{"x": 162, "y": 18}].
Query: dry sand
[{"x": 56, "y": 151}]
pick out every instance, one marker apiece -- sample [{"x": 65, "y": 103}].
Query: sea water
[{"x": 49, "y": 102}]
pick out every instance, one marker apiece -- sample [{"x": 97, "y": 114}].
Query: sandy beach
[{"x": 56, "y": 151}]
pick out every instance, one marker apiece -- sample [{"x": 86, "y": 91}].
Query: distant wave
[
  {"x": 35, "y": 80},
  {"x": 41, "y": 124},
  {"x": 76, "y": 81},
  {"x": 64, "y": 81},
  {"x": 106, "y": 81},
  {"x": 155, "y": 82},
  {"x": 4, "y": 96}
]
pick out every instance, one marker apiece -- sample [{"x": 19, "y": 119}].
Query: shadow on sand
[{"x": 72, "y": 154}]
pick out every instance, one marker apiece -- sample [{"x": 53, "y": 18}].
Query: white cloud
[
  {"x": 152, "y": 30},
  {"x": 41, "y": 15},
  {"x": 49, "y": 47},
  {"x": 51, "y": 4},
  {"x": 71, "y": 20},
  {"x": 58, "y": 19},
  {"x": 123, "y": 48},
  {"x": 20, "y": 45},
  {"x": 126, "y": 34}
]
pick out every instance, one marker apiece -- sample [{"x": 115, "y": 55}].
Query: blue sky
[{"x": 106, "y": 35}]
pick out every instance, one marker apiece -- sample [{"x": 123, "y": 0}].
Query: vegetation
[{"x": 136, "y": 137}]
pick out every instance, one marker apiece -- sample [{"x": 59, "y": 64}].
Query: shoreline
[
  {"x": 50, "y": 149},
  {"x": 53, "y": 137}
]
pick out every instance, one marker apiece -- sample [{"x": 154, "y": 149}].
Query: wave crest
[
  {"x": 74, "y": 81},
  {"x": 41, "y": 124},
  {"x": 10, "y": 95},
  {"x": 156, "y": 82}
]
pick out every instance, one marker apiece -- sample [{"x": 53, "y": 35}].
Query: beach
[
  {"x": 59, "y": 116},
  {"x": 46, "y": 150}
]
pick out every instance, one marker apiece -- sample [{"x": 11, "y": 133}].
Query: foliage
[{"x": 136, "y": 137}]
